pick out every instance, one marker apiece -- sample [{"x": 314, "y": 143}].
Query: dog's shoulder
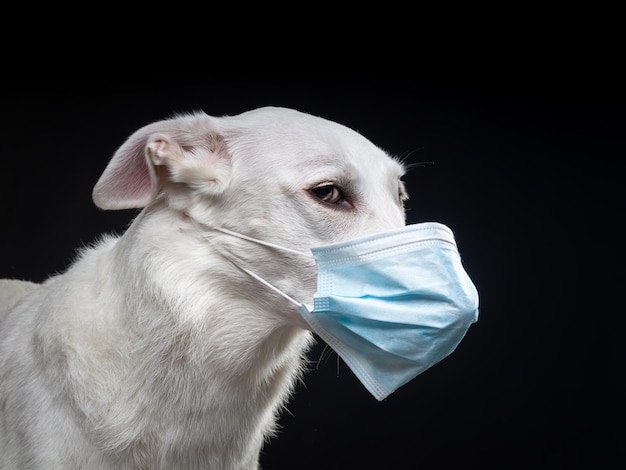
[{"x": 12, "y": 291}]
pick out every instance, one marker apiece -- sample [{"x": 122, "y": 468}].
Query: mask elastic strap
[
  {"x": 260, "y": 242},
  {"x": 231, "y": 259},
  {"x": 265, "y": 283}
]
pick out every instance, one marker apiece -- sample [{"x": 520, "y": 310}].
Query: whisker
[
  {"x": 404, "y": 157},
  {"x": 324, "y": 355},
  {"x": 411, "y": 166}
]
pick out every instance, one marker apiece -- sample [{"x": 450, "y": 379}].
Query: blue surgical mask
[{"x": 391, "y": 304}]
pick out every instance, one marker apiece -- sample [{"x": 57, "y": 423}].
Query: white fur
[{"x": 153, "y": 350}]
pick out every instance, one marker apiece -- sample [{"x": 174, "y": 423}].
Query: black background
[{"x": 528, "y": 172}]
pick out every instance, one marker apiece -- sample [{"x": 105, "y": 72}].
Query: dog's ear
[{"x": 181, "y": 150}]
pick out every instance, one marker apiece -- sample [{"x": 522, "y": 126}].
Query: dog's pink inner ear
[
  {"x": 129, "y": 181},
  {"x": 182, "y": 150}
]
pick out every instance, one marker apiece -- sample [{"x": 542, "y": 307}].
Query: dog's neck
[{"x": 214, "y": 359}]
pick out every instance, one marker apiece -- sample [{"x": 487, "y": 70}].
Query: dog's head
[{"x": 274, "y": 174}]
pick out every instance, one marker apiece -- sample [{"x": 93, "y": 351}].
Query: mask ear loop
[
  {"x": 264, "y": 282},
  {"x": 231, "y": 259},
  {"x": 261, "y": 242}
]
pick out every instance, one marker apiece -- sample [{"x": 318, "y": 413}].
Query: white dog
[{"x": 154, "y": 350}]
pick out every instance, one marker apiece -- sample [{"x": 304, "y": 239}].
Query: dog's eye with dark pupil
[{"x": 328, "y": 193}]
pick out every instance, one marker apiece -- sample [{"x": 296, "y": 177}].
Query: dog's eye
[{"x": 328, "y": 193}]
